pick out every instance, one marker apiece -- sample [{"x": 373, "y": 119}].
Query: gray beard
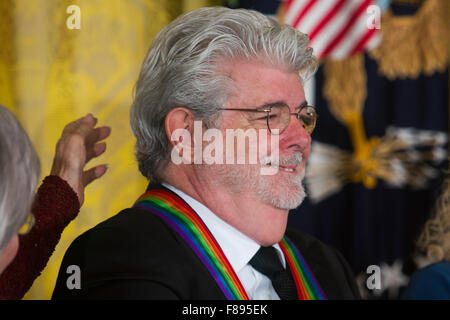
[
  {"x": 287, "y": 193},
  {"x": 288, "y": 197}
]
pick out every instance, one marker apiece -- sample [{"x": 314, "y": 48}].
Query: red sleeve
[{"x": 55, "y": 205}]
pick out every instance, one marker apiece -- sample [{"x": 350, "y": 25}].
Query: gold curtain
[{"x": 50, "y": 75}]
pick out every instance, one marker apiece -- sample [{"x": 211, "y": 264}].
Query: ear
[
  {"x": 179, "y": 118},
  {"x": 179, "y": 125},
  {"x": 9, "y": 252}
]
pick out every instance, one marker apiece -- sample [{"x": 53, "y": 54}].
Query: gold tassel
[
  {"x": 345, "y": 87},
  {"x": 414, "y": 44}
]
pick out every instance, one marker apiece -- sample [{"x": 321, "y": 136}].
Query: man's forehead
[
  {"x": 244, "y": 69},
  {"x": 258, "y": 84}
]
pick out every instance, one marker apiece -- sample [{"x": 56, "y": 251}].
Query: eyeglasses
[
  {"x": 277, "y": 116},
  {"x": 28, "y": 225}
]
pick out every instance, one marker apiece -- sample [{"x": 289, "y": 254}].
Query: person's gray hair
[
  {"x": 19, "y": 173},
  {"x": 179, "y": 71}
]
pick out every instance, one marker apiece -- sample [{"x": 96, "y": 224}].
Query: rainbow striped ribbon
[
  {"x": 308, "y": 287},
  {"x": 180, "y": 216}
]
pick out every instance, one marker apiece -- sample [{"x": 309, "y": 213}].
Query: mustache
[{"x": 294, "y": 159}]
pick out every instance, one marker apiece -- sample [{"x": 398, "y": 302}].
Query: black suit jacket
[{"x": 136, "y": 255}]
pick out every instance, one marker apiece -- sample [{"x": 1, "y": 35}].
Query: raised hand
[{"x": 79, "y": 143}]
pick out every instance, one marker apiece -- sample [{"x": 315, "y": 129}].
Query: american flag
[{"x": 337, "y": 29}]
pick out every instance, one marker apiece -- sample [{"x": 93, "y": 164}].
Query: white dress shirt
[{"x": 237, "y": 247}]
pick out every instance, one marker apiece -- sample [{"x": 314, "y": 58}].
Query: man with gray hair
[{"x": 207, "y": 228}]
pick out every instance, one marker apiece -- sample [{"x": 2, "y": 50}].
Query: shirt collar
[{"x": 237, "y": 247}]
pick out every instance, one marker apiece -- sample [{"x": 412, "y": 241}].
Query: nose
[{"x": 295, "y": 138}]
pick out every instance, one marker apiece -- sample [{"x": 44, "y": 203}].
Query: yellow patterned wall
[{"x": 50, "y": 75}]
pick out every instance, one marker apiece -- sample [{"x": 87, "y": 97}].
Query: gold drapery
[{"x": 50, "y": 75}]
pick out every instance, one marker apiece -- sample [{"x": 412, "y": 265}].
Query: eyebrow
[
  {"x": 302, "y": 105},
  {"x": 281, "y": 102}
]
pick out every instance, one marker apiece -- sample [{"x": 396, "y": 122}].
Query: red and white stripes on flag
[{"x": 337, "y": 29}]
